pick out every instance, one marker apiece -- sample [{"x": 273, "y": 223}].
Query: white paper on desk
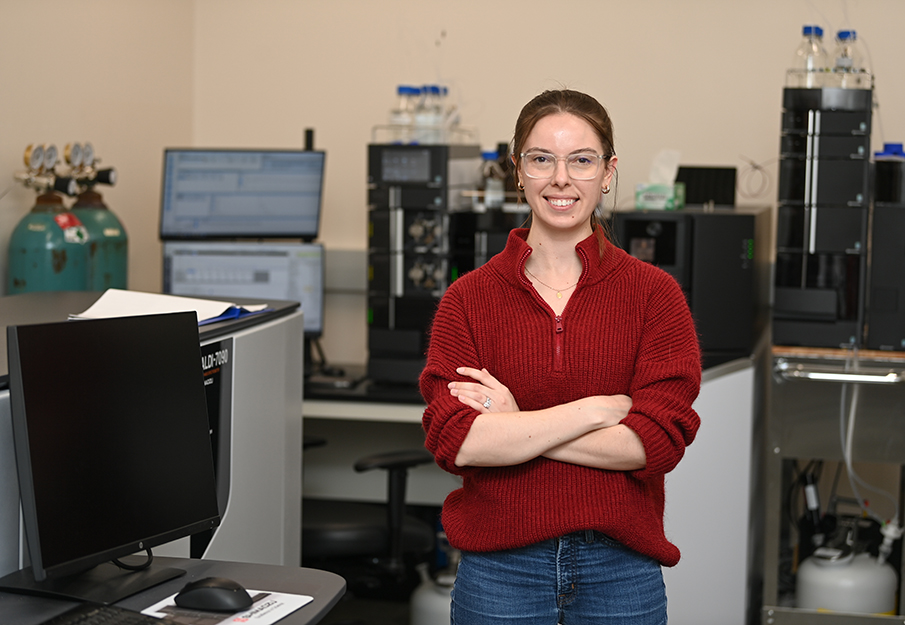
[
  {"x": 122, "y": 303},
  {"x": 268, "y": 607}
]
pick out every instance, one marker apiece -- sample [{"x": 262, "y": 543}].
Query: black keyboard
[{"x": 92, "y": 614}]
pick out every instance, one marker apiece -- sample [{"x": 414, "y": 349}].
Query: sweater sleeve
[
  {"x": 666, "y": 380},
  {"x": 446, "y": 420}
]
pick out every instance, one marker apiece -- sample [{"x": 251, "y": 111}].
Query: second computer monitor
[{"x": 263, "y": 271}]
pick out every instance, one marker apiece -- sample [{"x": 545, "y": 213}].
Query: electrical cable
[
  {"x": 877, "y": 118},
  {"x": 847, "y": 435},
  {"x": 812, "y": 497},
  {"x": 815, "y": 468},
  {"x": 791, "y": 499},
  {"x": 831, "y": 503},
  {"x": 852, "y": 475},
  {"x": 135, "y": 567},
  {"x": 322, "y": 366},
  {"x": 746, "y": 188}
]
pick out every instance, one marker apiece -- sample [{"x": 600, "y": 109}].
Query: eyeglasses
[{"x": 581, "y": 166}]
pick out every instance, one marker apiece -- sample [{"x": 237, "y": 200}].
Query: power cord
[
  {"x": 322, "y": 366},
  {"x": 135, "y": 567}
]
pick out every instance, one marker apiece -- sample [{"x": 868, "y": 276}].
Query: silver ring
[{"x": 487, "y": 402}]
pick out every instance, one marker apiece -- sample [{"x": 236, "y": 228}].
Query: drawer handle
[{"x": 798, "y": 372}]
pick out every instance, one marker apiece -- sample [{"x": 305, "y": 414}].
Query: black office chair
[{"x": 374, "y": 546}]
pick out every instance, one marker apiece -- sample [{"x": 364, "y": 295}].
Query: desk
[
  {"x": 326, "y": 588},
  {"x": 363, "y": 411},
  {"x": 355, "y": 428}
]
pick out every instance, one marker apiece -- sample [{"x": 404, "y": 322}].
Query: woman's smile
[{"x": 561, "y": 202}]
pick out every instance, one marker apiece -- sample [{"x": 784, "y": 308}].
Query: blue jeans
[{"x": 584, "y": 578}]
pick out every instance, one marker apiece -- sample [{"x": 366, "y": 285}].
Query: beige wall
[
  {"x": 117, "y": 74},
  {"x": 134, "y": 76}
]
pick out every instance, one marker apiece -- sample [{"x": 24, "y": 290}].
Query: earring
[
  {"x": 521, "y": 187},
  {"x": 606, "y": 189}
]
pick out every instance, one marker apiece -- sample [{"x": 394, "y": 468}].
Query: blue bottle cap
[
  {"x": 845, "y": 35},
  {"x": 891, "y": 150},
  {"x": 807, "y": 31},
  {"x": 489, "y": 155}
]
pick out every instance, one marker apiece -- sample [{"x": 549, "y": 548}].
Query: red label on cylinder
[{"x": 67, "y": 220}]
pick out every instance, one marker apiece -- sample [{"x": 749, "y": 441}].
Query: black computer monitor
[
  {"x": 708, "y": 184},
  {"x": 265, "y": 271},
  {"x": 232, "y": 193},
  {"x": 113, "y": 450}
]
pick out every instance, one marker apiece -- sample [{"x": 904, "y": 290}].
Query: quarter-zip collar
[
  {"x": 511, "y": 266},
  {"x": 510, "y": 263}
]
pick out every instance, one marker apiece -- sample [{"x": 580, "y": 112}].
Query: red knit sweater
[{"x": 625, "y": 330}]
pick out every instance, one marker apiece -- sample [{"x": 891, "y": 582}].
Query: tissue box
[{"x": 668, "y": 197}]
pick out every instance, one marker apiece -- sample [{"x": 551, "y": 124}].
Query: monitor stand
[{"x": 105, "y": 583}]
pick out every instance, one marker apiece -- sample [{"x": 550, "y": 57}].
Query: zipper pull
[{"x": 557, "y": 345}]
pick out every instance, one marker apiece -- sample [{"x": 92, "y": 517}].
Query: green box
[{"x": 669, "y": 197}]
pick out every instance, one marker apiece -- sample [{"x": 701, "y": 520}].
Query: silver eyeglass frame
[{"x": 556, "y": 159}]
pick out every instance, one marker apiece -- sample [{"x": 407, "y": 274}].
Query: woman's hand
[
  {"x": 608, "y": 410},
  {"x": 487, "y": 394}
]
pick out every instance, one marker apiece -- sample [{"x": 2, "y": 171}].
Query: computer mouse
[{"x": 215, "y": 594}]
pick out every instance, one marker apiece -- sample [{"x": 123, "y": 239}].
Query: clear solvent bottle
[
  {"x": 493, "y": 175},
  {"x": 849, "y": 69},
  {"x": 811, "y": 61},
  {"x": 402, "y": 116}
]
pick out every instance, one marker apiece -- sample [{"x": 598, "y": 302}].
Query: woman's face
[{"x": 561, "y": 202}]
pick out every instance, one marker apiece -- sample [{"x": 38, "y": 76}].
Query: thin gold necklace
[{"x": 558, "y": 291}]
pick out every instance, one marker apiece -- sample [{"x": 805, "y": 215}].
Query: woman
[{"x": 559, "y": 384}]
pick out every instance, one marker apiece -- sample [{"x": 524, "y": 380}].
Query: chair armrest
[{"x": 310, "y": 442}]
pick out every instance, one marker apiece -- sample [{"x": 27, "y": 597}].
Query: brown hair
[{"x": 574, "y": 103}]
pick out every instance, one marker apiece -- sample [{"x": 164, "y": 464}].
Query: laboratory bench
[{"x": 708, "y": 502}]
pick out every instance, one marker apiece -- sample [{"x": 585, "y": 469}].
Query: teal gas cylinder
[
  {"x": 48, "y": 250},
  {"x": 108, "y": 249}
]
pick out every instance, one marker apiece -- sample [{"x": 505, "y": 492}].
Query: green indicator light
[
  {"x": 454, "y": 274},
  {"x": 370, "y": 316}
]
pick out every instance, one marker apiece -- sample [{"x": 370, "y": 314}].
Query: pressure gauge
[
  {"x": 34, "y": 156},
  {"x": 50, "y": 156},
  {"x": 88, "y": 155},
  {"x": 73, "y": 154}
]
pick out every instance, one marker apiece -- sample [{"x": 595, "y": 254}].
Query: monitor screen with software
[
  {"x": 233, "y": 193},
  {"x": 265, "y": 271},
  {"x": 113, "y": 452}
]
